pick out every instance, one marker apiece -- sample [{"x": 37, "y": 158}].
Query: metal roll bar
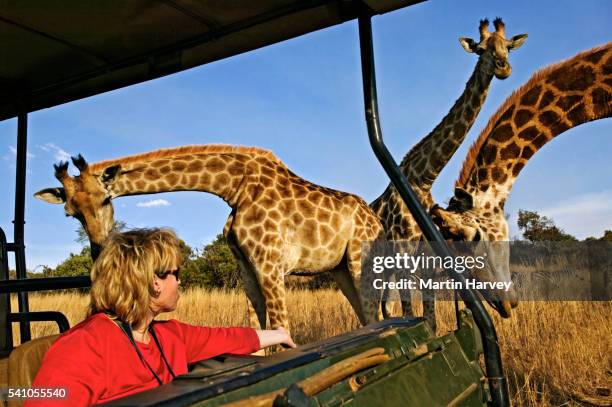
[{"x": 493, "y": 362}]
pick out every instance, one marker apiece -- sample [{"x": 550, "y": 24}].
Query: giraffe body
[
  {"x": 556, "y": 99},
  {"x": 425, "y": 160},
  {"x": 280, "y": 223}
]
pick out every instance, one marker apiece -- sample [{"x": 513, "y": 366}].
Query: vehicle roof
[{"x": 60, "y": 51}]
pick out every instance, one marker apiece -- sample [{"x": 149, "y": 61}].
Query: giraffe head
[
  {"x": 493, "y": 47},
  {"x": 86, "y": 197},
  {"x": 466, "y": 221}
]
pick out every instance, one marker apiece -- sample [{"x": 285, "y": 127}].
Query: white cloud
[
  {"x": 153, "y": 203},
  {"x": 581, "y": 216},
  {"x": 58, "y": 153},
  {"x": 13, "y": 154}
]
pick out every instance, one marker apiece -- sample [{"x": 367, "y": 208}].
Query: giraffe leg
[
  {"x": 274, "y": 292},
  {"x": 407, "y": 309},
  {"x": 344, "y": 280},
  {"x": 256, "y": 305},
  {"x": 389, "y": 299},
  {"x": 369, "y": 307},
  {"x": 275, "y": 298},
  {"x": 387, "y": 306},
  {"x": 429, "y": 301}
]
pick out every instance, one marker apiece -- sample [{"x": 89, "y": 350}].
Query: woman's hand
[{"x": 278, "y": 336}]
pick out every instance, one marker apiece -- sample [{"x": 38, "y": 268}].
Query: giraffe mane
[
  {"x": 184, "y": 150},
  {"x": 470, "y": 160}
]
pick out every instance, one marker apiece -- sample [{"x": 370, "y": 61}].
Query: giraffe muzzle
[
  {"x": 502, "y": 70},
  {"x": 504, "y": 308}
]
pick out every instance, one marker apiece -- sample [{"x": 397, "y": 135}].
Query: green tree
[
  {"x": 75, "y": 265},
  {"x": 607, "y": 237},
  {"x": 219, "y": 265},
  {"x": 536, "y": 228},
  {"x": 216, "y": 267}
]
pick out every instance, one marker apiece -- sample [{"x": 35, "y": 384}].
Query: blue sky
[{"x": 302, "y": 99}]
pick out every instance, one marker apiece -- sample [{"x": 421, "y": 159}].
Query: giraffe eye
[{"x": 106, "y": 201}]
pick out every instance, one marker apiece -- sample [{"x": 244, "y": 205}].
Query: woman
[{"x": 119, "y": 349}]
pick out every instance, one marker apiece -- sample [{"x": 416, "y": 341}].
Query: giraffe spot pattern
[
  {"x": 566, "y": 102},
  {"x": 577, "y": 115},
  {"x": 510, "y": 151},
  {"x": 529, "y": 133},
  {"x": 323, "y": 214},
  {"x": 539, "y": 141},
  {"x": 498, "y": 175},
  {"x": 151, "y": 174},
  {"x": 171, "y": 179},
  {"x": 448, "y": 147},
  {"x": 489, "y": 154},
  {"x": 483, "y": 173},
  {"x": 235, "y": 169},
  {"x": 275, "y": 215},
  {"x": 548, "y": 118},
  {"x": 506, "y": 115},
  {"x": 300, "y": 192},
  {"x": 195, "y": 166},
  {"x": 522, "y": 117},
  {"x": 600, "y": 98},
  {"x": 527, "y": 152},
  {"x": 517, "y": 168},
  {"x": 596, "y": 56},
  {"x": 468, "y": 114},
  {"x": 573, "y": 79},
  {"x": 266, "y": 181},
  {"x": 257, "y": 233},
  {"x": 502, "y": 133},
  {"x": 547, "y": 98},
  {"x": 531, "y": 97},
  {"x": 178, "y": 166},
  {"x": 459, "y": 128}
]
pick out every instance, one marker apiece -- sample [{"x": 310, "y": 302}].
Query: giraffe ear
[
  {"x": 517, "y": 41},
  {"x": 52, "y": 195},
  {"x": 462, "y": 201},
  {"x": 110, "y": 173},
  {"x": 468, "y": 44}
]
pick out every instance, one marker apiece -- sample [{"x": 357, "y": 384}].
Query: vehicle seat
[{"x": 24, "y": 362}]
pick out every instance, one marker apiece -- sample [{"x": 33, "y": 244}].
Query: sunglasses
[{"x": 165, "y": 274}]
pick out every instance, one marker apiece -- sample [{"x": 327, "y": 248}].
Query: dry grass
[{"x": 555, "y": 353}]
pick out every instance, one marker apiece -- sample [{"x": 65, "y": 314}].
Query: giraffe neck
[
  {"x": 554, "y": 100},
  {"x": 425, "y": 160},
  {"x": 219, "y": 170}
]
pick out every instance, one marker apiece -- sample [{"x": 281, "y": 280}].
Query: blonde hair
[{"x": 122, "y": 276}]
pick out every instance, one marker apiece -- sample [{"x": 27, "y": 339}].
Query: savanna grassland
[{"x": 555, "y": 353}]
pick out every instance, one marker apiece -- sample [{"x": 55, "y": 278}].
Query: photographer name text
[{"x": 427, "y": 284}]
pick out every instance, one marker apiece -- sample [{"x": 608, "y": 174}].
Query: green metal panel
[{"x": 424, "y": 370}]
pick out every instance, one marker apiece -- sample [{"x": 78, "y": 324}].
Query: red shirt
[{"x": 96, "y": 362}]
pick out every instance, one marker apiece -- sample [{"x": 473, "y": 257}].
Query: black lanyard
[{"x": 128, "y": 332}]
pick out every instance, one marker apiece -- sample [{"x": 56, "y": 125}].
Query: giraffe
[
  {"x": 422, "y": 164},
  {"x": 279, "y": 224},
  {"x": 555, "y": 99}
]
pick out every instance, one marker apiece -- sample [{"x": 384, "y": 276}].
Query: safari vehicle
[{"x": 394, "y": 362}]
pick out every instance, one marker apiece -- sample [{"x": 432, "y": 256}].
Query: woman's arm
[{"x": 278, "y": 336}]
